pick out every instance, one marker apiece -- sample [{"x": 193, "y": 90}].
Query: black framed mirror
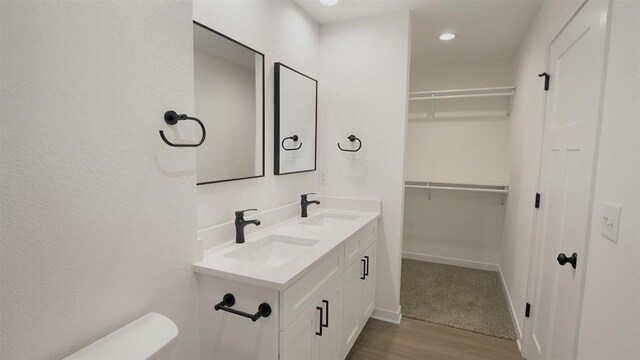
[
  {"x": 229, "y": 97},
  {"x": 296, "y": 121}
]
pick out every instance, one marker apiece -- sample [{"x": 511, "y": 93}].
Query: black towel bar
[{"x": 228, "y": 300}]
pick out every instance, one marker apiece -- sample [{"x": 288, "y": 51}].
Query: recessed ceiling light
[
  {"x": 447, "y": 36},
  {"x": 328, "y": 2}
]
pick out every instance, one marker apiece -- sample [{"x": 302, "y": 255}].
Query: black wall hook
[
  {"x": 172, "y": 118},
  {"x": 352, "y": 138},
  {"x": 547, "y": 77},
  {"x": 228, "y": 300},
  {"x": 295, "y": 139}
]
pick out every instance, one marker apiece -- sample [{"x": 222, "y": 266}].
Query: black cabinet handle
[
  {"x": 366, "y": 272},
  {"x": 563, "y": 259},
  {"x": 326, "y": 324},
  {"x": 319, "y": 333},
  {"x": 364, "y": 269}
]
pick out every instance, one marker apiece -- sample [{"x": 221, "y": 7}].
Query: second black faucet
[{"x": 304, "y": 204}]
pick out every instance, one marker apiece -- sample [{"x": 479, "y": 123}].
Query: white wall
[
  {"x": 610, "y": 325},
  {"x": 610, "y": 320},
  {"x": 466, "y": 227},
  {"x": 98, "y": 215},
  {"x": 362, "y": 91},
  {"x": 460, "y": 149},
  {"x": 283, "y": 32}
]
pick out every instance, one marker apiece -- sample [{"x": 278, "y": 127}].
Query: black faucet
[
  {"x": 304, "y": 204},
  {"x": 241, "y": 223}
]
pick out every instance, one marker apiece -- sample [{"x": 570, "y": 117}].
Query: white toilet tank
[{"x": 151, "y": 337}]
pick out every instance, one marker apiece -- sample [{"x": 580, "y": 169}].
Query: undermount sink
[
  {"x": 324, "y": 218},
  {"x": 273, "y": 250}
]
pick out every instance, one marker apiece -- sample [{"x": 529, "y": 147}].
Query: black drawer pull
[
  {"x": 326, "y": 324},
  {"x": 228, "y": 300},
  {"x": 366, "y": 272},
  {"x": 364, "y": 269},
  {"x": 319, "y": 333}
]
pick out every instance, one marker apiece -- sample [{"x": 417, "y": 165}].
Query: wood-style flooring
[{"x": 414, "y": 339}]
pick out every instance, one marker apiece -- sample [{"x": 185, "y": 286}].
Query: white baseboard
[
  {"x": 451, "y": 261},
  {"x": 387, "y": 315},
  {"x": 512, "y": 310}
]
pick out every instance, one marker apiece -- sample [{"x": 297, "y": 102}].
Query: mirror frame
[
  {"x": 276, "y": 127},
  {"x": 263, "y": 106}
]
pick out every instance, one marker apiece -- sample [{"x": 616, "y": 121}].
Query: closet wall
[{"x": 463, "y": 141}]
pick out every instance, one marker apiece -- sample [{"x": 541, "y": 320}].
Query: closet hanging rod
[
  {"x": 460, "y": 96},
  {"x": 500, "y": 88},
  {"x": 500, "y": 191}
]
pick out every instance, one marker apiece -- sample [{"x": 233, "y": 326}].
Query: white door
[{"x": 576, "y": 62}]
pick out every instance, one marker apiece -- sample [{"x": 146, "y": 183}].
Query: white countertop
[{"x": 215, "y": 263}]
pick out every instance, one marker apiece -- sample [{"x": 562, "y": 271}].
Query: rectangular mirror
[
  {"x": 229, "y": 99},
  {"x": 296, "y": 103}
]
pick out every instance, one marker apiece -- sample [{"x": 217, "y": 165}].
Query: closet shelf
[
  {"x": 459, "y": 115},
  {"x": 474, "y": 187},
  {"x": 503, "y": 91}
]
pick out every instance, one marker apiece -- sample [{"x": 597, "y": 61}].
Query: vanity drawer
[
  {"x": 368, "y": 235},
  {"x": 352, "y": 248},
  {"x": 359, "y": 241},
  {"x": 300, "y": 295}
]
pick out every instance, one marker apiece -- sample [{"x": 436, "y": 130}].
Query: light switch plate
[{"x": 610, "y": 222}]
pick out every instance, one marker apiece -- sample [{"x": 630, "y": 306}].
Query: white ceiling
[{"x": 485, "y": 29}]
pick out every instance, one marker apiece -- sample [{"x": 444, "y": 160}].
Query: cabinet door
[
  {"x": 327, "y": 345},
  {"x": 351, "y": 305},
  {"x": 298, "y": 340},
  {"x": 368, "y": 285},
  {"x": 315, "y": 334}
]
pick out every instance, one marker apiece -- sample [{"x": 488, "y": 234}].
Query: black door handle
[
  {"x": 319, "y": 333},
  {"x": 326, "y": 314},
  {"x": 364, "y": 269},
  {"x": 563, "y": 259}
]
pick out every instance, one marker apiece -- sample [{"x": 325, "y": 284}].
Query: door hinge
[
  {"x": 537, "y": 204},
  {"x": 547, "y": 77},
  {"x": 527, "y": 310}
]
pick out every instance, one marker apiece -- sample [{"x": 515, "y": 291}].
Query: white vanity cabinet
[
  {"x": 359, "y": 286},
  {"x": 318, "y": 317}
]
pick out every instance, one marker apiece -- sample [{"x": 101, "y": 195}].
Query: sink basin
[
  {"x": 327, "y": 218},
  {"x": 273, "y": 250}
]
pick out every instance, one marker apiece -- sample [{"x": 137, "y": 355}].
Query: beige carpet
[{"x": 462, "y": 298}]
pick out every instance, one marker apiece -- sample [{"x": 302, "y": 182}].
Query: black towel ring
[
  {"x": 352, "y": 138},
  {"x": 172, "y": 118},
  {"x": 295, "y": 139}
]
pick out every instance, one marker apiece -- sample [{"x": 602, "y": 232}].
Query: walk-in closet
[{"x": 456, "y": 186}]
